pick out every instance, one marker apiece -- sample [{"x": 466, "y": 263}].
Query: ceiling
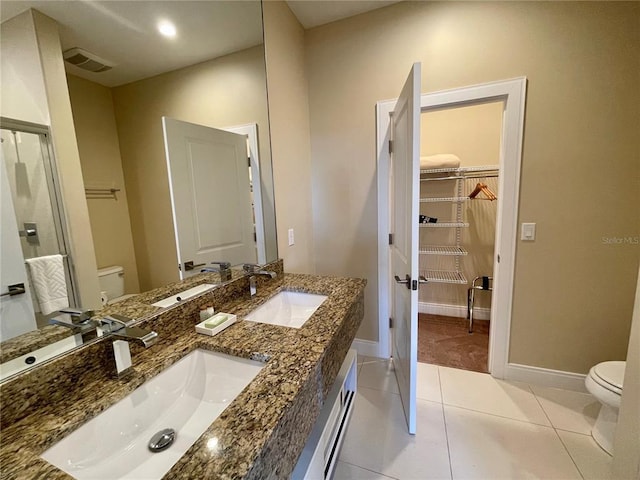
[
  {"x": 125, "y": 32},
  {"x": 313, "y": 13}
]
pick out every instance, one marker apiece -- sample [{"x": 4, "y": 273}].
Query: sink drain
[{"x": 162, "y": 440}]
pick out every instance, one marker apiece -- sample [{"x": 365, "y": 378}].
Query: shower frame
[{"x": 55, "y": 196}]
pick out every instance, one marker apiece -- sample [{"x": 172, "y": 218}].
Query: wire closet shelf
[{"x": 458, "y": 174}]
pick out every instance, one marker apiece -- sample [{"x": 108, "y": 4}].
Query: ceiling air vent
[{"x": 86, "y": 60}]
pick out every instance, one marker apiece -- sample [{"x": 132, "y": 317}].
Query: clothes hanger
[{"x": 482, "y": 187}]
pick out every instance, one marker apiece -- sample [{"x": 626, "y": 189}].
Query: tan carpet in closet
[{"x": 446, "y": 341}]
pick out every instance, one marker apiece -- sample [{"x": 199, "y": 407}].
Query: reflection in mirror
[
  {"x": 215, "y": 213},
  {"x": 212, "y": 73},
  {"x": 34, "y": 239}
]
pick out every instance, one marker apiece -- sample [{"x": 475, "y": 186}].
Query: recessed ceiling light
[{"x": 166, "y": 28}]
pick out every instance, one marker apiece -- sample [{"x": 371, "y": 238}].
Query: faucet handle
[
  {"x": 250, "y": 267},
  {"x": 77, "y": 314},
  {"x": 223, "y": 265},
  {"x": 113, "y": 323}
]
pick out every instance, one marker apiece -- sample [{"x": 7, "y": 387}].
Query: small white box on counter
[{"x": 217, "y": 323}]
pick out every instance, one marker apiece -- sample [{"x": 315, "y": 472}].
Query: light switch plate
[
  {"x": 291, "y": 237},
  {"x": 528, "y": 232}
]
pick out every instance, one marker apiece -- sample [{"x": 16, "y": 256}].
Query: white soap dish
[{"x": 218, "y": 323}]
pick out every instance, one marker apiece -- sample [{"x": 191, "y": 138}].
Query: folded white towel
[
  {"x": 441, "y": 160},
  {"x": 49, "y": 283}
]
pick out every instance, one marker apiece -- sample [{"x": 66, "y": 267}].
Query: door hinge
[
  {"x": 414, "y": 284},
  {"x": 390, "y": 322},
  {"x": 391, "y": 239},
  {"x": 249, "y": 161},
  {"x": 390, "y": 146},
  {"x": 498, "y": 258}
]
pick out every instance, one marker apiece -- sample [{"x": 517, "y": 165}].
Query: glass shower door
[{"x": 34, "y": 188}]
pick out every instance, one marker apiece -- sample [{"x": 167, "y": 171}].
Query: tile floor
[{"x": 469, "y": 426}]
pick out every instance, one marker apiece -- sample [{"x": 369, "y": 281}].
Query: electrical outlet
[{"x": 291, "y": 237}]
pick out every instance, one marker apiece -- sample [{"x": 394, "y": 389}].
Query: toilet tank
[{"x": 111, "y": 281}]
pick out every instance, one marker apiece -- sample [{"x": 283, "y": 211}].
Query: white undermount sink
[
  {"x": 288, "y": 309},
  {"x": 178, "y": 297},
  {"x": 187, "y": 397},
  {"x": 40, "y": 355}
]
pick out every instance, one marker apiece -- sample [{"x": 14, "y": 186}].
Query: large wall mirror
[{"x": 128, "y": 64}]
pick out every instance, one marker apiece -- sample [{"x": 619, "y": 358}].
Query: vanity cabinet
[{"x": 320, "y": 455}]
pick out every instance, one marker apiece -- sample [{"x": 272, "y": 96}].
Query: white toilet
[
  {"x": 111, "y": 281},
  {"x": 604, "y": 382}
]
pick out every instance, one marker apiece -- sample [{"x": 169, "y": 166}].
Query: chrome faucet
[
  {"x": 224, "y": 269},
  {"x": 117, "y": 326},
  {"x": 73, "y": 318},
  {"x": 252, "y": 270}
]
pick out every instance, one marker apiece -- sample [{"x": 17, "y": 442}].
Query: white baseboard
[
  {"x": 368, "y": 348},
  {"x": 545, "y": 377},
  {"x": 479, "y": 313}
]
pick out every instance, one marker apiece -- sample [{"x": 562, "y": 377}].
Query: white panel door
[
  {"x": 210, "y": 195},
  {"x": 16, "y": 311},
  {"x": 405, "y": 185}
]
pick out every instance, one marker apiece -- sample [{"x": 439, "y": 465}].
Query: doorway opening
[
  {"x": 459, "y": 179},
  {"x": 511, "y": 94}
]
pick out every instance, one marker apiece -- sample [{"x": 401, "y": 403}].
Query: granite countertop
[{"x": 259, "y": 435}]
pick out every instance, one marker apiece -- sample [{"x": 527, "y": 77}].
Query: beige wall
[
  {"x": 23, "y": 94},
  {"x": 626, "y": 448},
  {"x": 473, "y": 133},
  {"x": 223, "y": 92},
  {"x": 99, "y": 149},
  {"x": 290, "y": 142},
  {"x": 36, "y": 77},
  {"x": 573, "y": 292},
  {"x": 68, "y": 160}
]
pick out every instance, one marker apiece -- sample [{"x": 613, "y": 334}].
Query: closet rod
[{"x": 460, "y": 177}]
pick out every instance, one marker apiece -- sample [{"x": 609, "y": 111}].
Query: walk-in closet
[{"x": 459, "y": 172}]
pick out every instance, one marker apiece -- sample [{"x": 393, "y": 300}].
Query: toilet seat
[{"x": 609, "y": 375}]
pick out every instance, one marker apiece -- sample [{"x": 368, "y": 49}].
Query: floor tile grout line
[
  {"x": 383, "y": 391},
  {"x": 541, "y": 406},
  {"x": 435, "y": 402},
  {"x": 440, "y": 385},
  {"x": 498, "y": 416},
  {"x": 555, "y": 430},
  {"x": 566, "y": 449},
  {"x": 368, "y": 470},
  {"x": 446, "y": 436}
]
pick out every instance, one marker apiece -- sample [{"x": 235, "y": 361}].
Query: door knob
[
  {"x": 406, "y": 281},
  {"x": 190, "y": 266},
  {"x": 17, "y": 289}
]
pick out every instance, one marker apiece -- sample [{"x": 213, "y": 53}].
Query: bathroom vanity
[{"x": 262, "y": 433}]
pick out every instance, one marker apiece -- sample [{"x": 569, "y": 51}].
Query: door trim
[
  {"x": 251, "y": 131},
  {"x": 513, "y": 93}
]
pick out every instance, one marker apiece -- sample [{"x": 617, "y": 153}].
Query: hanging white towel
[
  {"x": 441, "y": 160},
  {"x": 49, "y": 283}
]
